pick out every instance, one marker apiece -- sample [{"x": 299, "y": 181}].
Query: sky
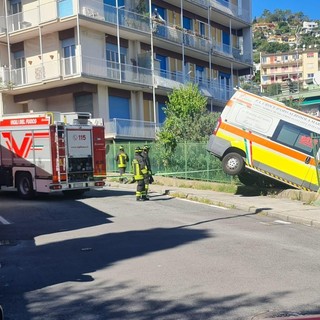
[{"x": 310, "y": 8}]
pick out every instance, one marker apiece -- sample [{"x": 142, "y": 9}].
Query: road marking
[
  {"x": 281, "y": 222},
  {"x": 4, "y": 221},
  {"x": 205, "y": 204}
]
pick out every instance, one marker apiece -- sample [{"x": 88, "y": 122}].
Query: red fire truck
[{"x": 51, "y": 151}]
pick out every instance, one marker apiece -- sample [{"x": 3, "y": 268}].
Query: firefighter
[
  {"x": 139, "y": 171},
  {"x": 122, "y": 158},
  {"x": 148, "y": 177}
]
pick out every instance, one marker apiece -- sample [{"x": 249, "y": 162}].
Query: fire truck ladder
[{"x": 61, "y": 152}]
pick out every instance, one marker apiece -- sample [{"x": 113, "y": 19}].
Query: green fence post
[
  {"x": 185, "y": 160},
  {"x": 207, "y": 160},
  {"x": 113, "y": 156}
]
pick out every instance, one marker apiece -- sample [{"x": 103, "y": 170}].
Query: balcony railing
[
  {"x": 127, "y": 19},
  {"x": 105, "y": 70},
  {"x": 282, "y": 62},
  {"x": 225, "y": 6},
  {"x": 128, "y": 128},
  {"x": 113, "y": 71},
  {"x": 232, "y": 9}
]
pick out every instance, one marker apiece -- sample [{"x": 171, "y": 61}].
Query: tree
[
  {"x": 294, "y": 103},
  {"x": 187, "y": 119},
  {"x": 273, "y": 47},
  {"x": 273, "y": 89}
]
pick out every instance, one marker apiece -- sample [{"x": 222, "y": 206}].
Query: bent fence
[{"x": 190, "y": 161}]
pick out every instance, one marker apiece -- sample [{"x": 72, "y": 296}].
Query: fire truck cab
[{"x": 49, "y": 152}]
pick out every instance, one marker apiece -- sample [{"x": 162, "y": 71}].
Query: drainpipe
[
  {"x": 210, "y": 57},
  {"x": 183, "y": 60},
  {"x": 8, "y": 39},
  {"x": 78, "y": 51},
  {"x": 118, "y": 41},
  {"x": 152, "y": 66}
]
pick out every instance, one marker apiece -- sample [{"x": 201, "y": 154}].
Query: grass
[{"x": 199, "y": 185}]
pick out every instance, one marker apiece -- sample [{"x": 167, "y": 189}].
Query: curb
[{"x": 178, "y": 192}]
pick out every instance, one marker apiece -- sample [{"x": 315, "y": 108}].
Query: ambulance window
[{"x": 293, "y": 136}]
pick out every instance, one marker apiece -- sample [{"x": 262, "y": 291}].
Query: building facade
[
  {"x": 298, "y": 67},
  {"x": 119, "y": 59}
]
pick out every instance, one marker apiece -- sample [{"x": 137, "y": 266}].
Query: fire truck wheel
[
  {"x": 24, "y": 186},
  {"x": 232, "y": 164}
]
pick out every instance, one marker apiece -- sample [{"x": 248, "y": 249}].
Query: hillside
[{"x": 283, "y": 30}]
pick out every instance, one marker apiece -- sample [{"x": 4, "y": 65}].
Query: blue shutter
[{"x": 119, "y": 107}]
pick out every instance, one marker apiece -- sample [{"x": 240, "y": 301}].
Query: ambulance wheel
[
  {"x": 25, "y": 186},
  {"x": 232, "y": 164}
]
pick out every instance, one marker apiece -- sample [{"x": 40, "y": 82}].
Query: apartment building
[
  {"x": 298, "y": 67},
  {"x": 119, "y": 59}
]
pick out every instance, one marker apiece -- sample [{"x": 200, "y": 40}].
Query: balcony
[
  {"x": 129, "y": 20},
  {"x": 297, "y": 62},
  {"x": 31, "y": 18},
  {"x": 128, "y": 129},
  {"x": 37, "y": 72},
  {"x": 231, "y": 9},
  {"x": 225, "y": 7}
]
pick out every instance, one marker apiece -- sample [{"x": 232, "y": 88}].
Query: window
[
  {"x": 15, "y": 9},
  {"x": 69, "y": 53},
  {"x": 202, "y": 28},
  {"x": 187, "y": 23},
  {"x": 19, "y": 65},
  {"x": 112, "y": 53},
  {"x": 294, "y": 137},
  {"x": 15, "y": 6},
  {"x": 159, "y": 14},
  {"x": 163, "y": 64},
  {"x": 199, "y": 73}
]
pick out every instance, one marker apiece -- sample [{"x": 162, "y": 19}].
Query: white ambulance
[{"x": 265, "y": 142}]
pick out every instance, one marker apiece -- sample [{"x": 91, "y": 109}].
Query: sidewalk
[{"x": 282, "y": 206}]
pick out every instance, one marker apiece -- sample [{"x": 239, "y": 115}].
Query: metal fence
[{"x": 190, "y": 161}]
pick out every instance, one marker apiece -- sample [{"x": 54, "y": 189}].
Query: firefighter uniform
[
  {"x": 139, "y": 168},
  {"x": 148, "y": 176},
  {"x": 122, "y": 160}
]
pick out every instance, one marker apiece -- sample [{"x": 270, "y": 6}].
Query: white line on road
[
  {"x": 205, "y": 204},
  {"x": 4, "y": 221},
  {"x": 281, "y": 222}
]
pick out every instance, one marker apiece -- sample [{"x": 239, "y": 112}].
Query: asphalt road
[{"x": 110, "y": 257}]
